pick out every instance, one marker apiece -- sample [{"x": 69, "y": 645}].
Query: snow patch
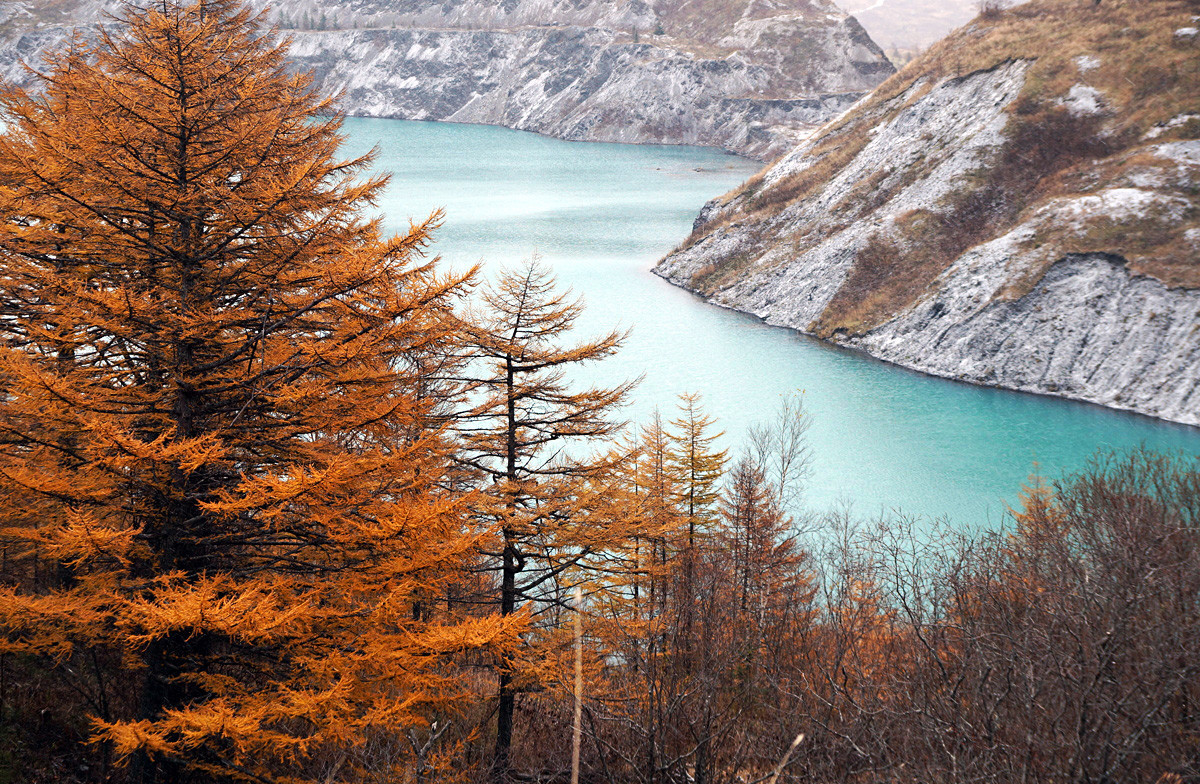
[
  {"x": 1174, "y": 122},
  {"x": 1116, "y": 204},
  {"x": 1083, "y": 100},
  {"x": 1181, "y": 152}
]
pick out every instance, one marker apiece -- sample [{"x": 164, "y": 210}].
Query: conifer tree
[
  {"x": 658, "y": 492},
  {"x": 754, "y": 533},
  {"x": 532, "y": 439},
  {"x": 698, "y": 466},
  {"x": 698, "y": 469},
  {"x": 215, "y": 420}
]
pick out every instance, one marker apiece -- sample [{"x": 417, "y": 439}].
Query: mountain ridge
[
  {"x": 751, "y": 76},
  {"x": 962, "y": 219},
  {"x": 907, "y": 27}
]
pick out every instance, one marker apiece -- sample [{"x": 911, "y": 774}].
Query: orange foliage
[
  {"x": 546, "y": 491},
  {"x": 215, "y": 427}
]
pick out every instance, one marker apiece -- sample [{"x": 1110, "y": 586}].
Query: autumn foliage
[
  {"x": 222, "y": 465},
  {"x": 529, "y": 439},
  {"x": 283, "y": 501}
]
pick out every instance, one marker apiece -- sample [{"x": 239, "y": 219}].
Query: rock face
[
  {"x": 752, "y": 76},
  {"x": 1090, "y": 330},
  {"x": 1014, "y": 214}
]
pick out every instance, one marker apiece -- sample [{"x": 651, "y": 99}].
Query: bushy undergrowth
[{"x": 1064, "y": 649}]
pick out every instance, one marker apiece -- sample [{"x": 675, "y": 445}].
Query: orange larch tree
[
  {"x": 215, "y": 423},
  {"x": 699, "y": 467},
  {"x": 532, "y": 439}
]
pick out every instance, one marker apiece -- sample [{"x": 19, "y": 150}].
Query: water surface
[{"x": 601, "y": 215}]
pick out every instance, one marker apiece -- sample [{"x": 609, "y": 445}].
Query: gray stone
[
  {"x": 755, "y": 78},
  {"x": 1089, "y": 328}
]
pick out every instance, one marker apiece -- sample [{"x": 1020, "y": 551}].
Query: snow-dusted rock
[
  {"x": 1019, "y": 310},
  {"x": 792, "y": 289},
  {"x": 573, "y": 82},
  {"x": 1082, "y": 100},
  {"x": 752, "y": 77},
  {"x": 1089, "y": 330}
]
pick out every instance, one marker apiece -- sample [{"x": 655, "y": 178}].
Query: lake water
[{"x": 601, "y": 215}]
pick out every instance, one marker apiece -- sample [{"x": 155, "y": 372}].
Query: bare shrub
[{"x": 991, "y": 9}]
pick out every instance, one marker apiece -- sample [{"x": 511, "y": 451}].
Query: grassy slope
[{"x": 1147, "y": 76}]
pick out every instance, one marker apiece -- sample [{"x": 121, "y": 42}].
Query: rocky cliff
[
  {"x": 1019, "y": 208},
  {"x": 752, "y": 76}
]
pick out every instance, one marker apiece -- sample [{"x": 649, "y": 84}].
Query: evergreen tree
[
  {"x": 531, "y": 437},
  {"x": 698, "y": 467},
  {"x": 215, "y": 422}
]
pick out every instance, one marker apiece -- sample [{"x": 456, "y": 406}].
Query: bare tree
[{"x": 781, "y": 450}]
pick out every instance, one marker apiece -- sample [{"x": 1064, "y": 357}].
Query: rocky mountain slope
[
  {"x": 1020, "y": 208},
  {"x": 752, "y": 76}
]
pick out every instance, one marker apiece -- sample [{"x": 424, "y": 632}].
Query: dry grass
[
  {"x": 714, "y": 276},
  {"x": 1043, "y": 141},
  {"x": 1129, "y": 37},
  {"x": 1146, "y": 75},
  {"x": 1132, "y": 39},
  {"x": 1153, "y": 244},
  {"x": 830, "y": 159},
  {"x": 883, "y": 273}
]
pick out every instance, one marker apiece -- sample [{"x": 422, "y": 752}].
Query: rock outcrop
[
  {"x": 1019, "y": 208},
  {"x": 752, "y": 76}
]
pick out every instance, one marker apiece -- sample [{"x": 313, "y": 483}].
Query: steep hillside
[
  {"x": 1020, "y": 208},
  {"x": 753, "y": 76}
]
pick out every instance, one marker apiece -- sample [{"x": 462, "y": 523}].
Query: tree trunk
[
  {"x": 507, "y": 701},
  {"x": 508, "y": 588}
]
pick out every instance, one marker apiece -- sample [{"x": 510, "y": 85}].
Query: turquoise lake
[{"x": 883, "y": 438}]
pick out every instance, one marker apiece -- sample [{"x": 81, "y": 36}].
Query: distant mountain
[
  {"x": 1020, "y": 207},
  {"x": 909, "y": 26},
  {"x": 753, "y": 76}
]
